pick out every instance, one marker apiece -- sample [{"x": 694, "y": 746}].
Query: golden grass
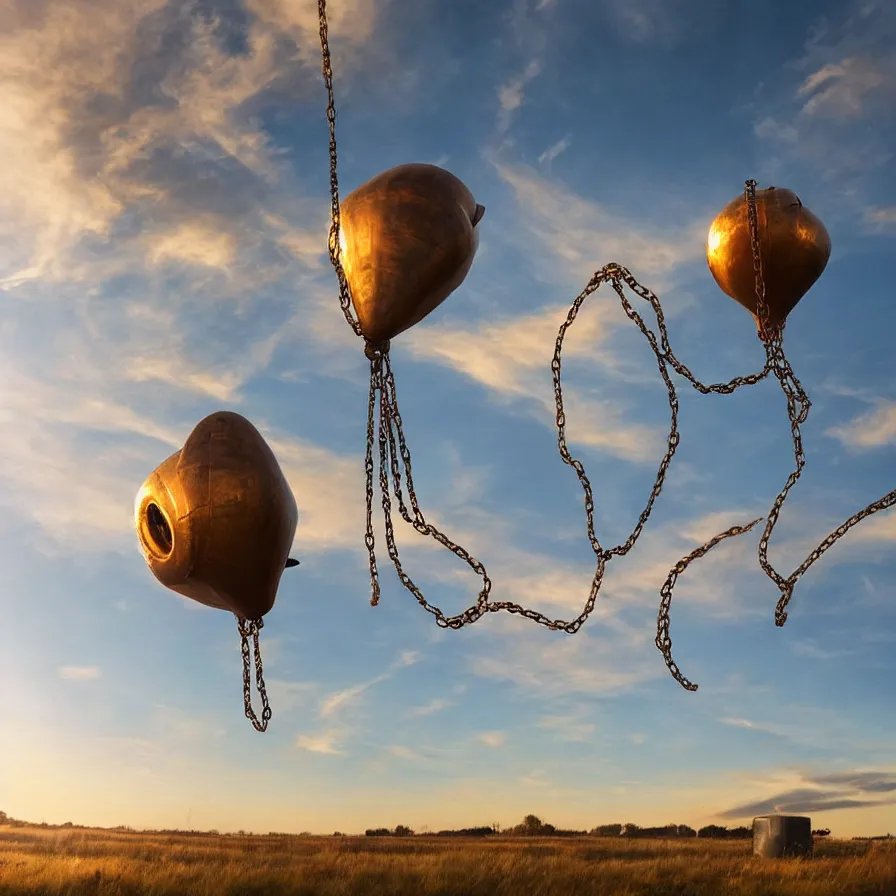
[{"x": 75, "y": 861}]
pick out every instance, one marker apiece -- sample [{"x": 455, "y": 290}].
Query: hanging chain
[
  {"x": 663, "y": 639},
  {"x": 884, "y": 503},
  {"x": 335, "y": 249},
  {"x": 250, "y": 628},
  {"x": 382, "y": 387},
  {"x": 798, "y": 406},
  {"x": 386, "y": 429},
  {"x": 393, "y": 447},
  {"x": 666, "y": 358},
  {"x": 375, "y": 390},
  {"x": 393, "y": 455}
]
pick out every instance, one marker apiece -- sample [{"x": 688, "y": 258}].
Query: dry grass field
[{"x": 74, "y": 861}]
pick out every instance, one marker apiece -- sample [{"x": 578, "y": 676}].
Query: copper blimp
[
  {"x": 793, "y": 244},
  {"x": 407, "y": 241},
  {"x": 216, "y": 520}
]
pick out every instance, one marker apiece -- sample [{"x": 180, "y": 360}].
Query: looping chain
[{"x": 250, "y": 628}]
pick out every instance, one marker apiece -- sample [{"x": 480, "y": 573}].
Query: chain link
[{"x": 250, "y": 628}]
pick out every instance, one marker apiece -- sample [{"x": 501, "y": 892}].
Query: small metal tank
[{"x": 780, "y": 836}]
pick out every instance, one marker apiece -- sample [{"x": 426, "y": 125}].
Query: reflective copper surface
[
  {"x": 216, "y": 520},
  {"x": 408, "y": 237},
  {"x": 794, "y": 247}
]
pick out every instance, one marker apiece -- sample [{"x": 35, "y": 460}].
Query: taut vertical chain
[{"x": 345, "y": 300}]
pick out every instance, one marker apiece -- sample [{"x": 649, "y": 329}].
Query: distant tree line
[
  {"x": 398, "y": 831},
  {"x": 530, "y": 826},
  {"x": 533, "y": 826}
]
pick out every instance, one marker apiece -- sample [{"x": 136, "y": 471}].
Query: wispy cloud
[
  {"x": 492, "y": 738},
  {"x": 809, "y": 649},
  {"x": 851, "y": 790},
  {"x": 881, "y": 220},
  {"x": 811, "y": 728},
  {"x": 554, "y": 150},
  {"x": 838, "y": 90},
  {"x": 569, "y": 727},
  {"x": 325, "y": 742},
  {"x": 511, "y": 359},
  {"x": 179, "y": 724},
  {"x": 334, "y": 739},
  {"x": 526, "y": 42},
  {"x": 568, "y": 227},
  {"x": 288, "y": 696},
  {"x": 401, "y": 752},
  {"x": 764, "y": 727},
  {"x": 547, "y": 663},
  {"x": 645, "y": 21},
  {"x": 512, "y": 93},
  {"x": 846, "y": 76},
  {"x": 79, "y": 673},
  {"x": 350, "y": 696},
  {"x": 872, "y": 429},
  {"x": 430, "y": 708}
]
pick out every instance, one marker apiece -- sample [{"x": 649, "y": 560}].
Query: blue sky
[{"x": 163, "y": 214}]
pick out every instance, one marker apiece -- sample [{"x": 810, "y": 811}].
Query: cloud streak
[
  {"x": 79, "y": 673},
  {"x": 873, "y": 429},
  {"x": 854, "y": 792}
]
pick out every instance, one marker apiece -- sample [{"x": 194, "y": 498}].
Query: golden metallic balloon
[
  {"x": 408, "y": 237},
  {"x": 216, "y": 520},
  {"x": 793, "y": 244}
]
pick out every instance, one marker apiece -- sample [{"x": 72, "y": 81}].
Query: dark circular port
[{"x": 158, "y": 529}]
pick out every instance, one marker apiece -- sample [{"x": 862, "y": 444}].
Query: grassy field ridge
[{"x": 75, "y": 861}]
